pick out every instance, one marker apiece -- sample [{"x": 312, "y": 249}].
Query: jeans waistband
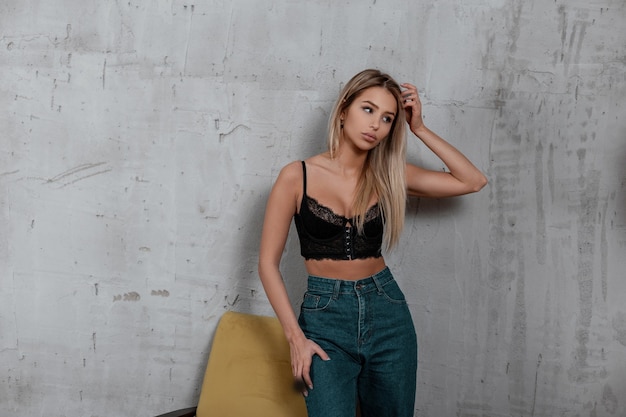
[{"x": 339, "y": 286}]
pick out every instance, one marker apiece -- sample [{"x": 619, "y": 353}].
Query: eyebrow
[{"x": 377, "y": 107}]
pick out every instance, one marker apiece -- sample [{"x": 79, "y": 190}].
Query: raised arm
[
  {"x": 281, "y": 206},
  {"x": 463, "y": 178}
]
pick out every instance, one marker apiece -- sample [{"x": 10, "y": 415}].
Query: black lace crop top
[{"x": 326, "y": 235}]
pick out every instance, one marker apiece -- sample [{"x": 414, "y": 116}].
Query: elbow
[
  {"x": 480, "y": 184},
  {"x": 265, "y": 267},
  {"x": 261, "y": 267}
]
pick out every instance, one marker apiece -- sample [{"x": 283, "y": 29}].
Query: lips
[{"x": 370, "y": 137}]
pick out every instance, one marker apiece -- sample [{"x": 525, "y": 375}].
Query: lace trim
[{"x": 328, "y": 215}]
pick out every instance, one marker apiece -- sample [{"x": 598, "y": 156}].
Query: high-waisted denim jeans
[{"x": 366, "y": 328}]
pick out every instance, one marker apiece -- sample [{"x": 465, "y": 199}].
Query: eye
[
  {"x": 368, "y": 109},
  {"x": 388, "y": 119}
]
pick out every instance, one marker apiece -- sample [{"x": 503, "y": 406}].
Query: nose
[{"x": 375, "y": 123}]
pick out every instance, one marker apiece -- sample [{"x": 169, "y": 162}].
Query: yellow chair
[{"x": 248, "y": 373}]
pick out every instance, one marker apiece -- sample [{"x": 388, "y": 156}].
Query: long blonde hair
[{"x": 384, "y": 172}]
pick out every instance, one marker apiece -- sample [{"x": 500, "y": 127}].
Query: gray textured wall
[{"x": 140, "y": 140}]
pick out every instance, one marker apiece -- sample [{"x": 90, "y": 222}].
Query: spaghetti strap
[{"x": 303, "y": 178}]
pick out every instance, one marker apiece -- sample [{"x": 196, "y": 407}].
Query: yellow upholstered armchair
[{"x": 248, "y": 372}]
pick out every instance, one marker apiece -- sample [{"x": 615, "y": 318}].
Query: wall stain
[
  {"x": 130, "y": 296},
  {"x": 160, "y": 293},
  {"x": 587, "y": 209},
  {"x": 609, "y": 400},
  {"x": 619, "y": 326}
]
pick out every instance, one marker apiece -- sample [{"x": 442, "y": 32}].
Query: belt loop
[
  {"x": 378, "y": 286},
  {"x": 336, "y": 289}
]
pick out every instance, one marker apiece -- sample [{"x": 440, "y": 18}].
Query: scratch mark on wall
[
  {"x": 104, "y": 74},
  {"x": 188, "y": 38},
  {"x": 93, "y": 340},
  {"x": 74, "y": 171},
  {"x": 87, "y": 176},
  {"x": 230, "y": 132},
  {"x": 535, "y": 390},
  {"x": 6, "y": 174},
  {"x": 234, "y": 301},
  {"x": 540, "y": 226}
]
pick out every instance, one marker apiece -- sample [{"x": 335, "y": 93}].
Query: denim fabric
[{"x": 366, "y": 328}]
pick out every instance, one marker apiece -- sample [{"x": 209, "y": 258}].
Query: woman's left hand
[{"x": 412, "y": 107}]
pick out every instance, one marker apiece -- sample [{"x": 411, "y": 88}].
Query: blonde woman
[{"x": 354, "y": 338}]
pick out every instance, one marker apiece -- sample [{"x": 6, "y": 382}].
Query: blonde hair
[{"x": 383, "y": 174}]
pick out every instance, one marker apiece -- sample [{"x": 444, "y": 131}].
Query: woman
[{"x": 354, "y": 339}]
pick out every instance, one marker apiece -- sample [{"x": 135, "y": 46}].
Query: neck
[{"x": 350, "y": 161}]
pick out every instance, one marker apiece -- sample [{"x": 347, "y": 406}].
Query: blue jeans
[{"x": 366, "y": 328}]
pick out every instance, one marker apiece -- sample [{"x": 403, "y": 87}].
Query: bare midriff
[{"x": 350, "y": 270}]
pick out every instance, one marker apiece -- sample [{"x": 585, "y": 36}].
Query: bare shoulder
[
  {"x": 318, "y": 163},
  {"x": 289, "y": 183},
  {"x": 291, "y": 173}
]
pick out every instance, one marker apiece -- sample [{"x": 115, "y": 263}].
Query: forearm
[
  {"x": 459, "y": 166},
  {"x": 276, "y": 292}
]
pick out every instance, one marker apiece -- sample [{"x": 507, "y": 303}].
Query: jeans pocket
[
  {"x": 313, "y": 301},
  {"x": 393, "y": 293}
]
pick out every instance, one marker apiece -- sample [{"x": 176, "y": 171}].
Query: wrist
[
  {"x": 420, "y": 131},
  {"x": 293, "y": 335}
]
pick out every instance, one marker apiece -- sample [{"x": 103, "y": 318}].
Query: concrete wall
[{"x": 140, "y": 140}]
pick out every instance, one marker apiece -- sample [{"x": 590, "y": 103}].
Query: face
[{"x": 368, "y": 119}]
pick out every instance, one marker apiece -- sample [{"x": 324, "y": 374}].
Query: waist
[
  {"x": 350, "y": 270},
  {"x": 363, "y": 285}
]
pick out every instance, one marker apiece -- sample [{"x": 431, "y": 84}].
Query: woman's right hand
[{"x": 302, "y": 351}]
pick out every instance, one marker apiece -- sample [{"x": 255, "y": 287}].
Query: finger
[
  {"x": 409, "y": 89},
  {"x": 322, "y": 353},
  {"x": 294, "y": 367},
  {"x": 410, "y": 101},
  {"x": 306, "y": 377},
  {"x": 300, "y": 386}
]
